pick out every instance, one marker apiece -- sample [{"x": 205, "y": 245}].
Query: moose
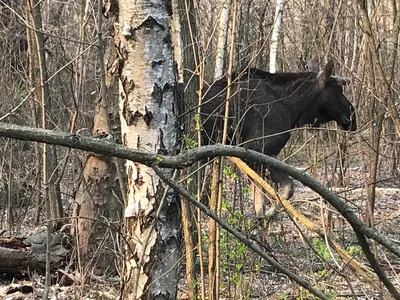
[{"x": 265, "y": 107}]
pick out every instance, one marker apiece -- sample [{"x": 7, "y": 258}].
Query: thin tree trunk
[
  {"x": 217, "y": 180},
  {"x": 45, "y": 101},
  {"x": 212, "y": 235},
  {"x": 52, "y": 188},
  {"x": 186, "y": 56},
  {"x": 35, "y": 123},
  {"x": 394, "y": 45},
  {"x": 200, "y": 181},
  {"x": 389, "y": 98},
  {"x": 222, "y": 39},
  {"x": 276, "y": 32},
  {"x": 389, "y": 102}
]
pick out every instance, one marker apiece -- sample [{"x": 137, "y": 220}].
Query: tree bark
[
  {"x": 95, "y": 199},
  {"x": 146, "y": 88},
  {"x": 276, "y": 32},
  {"x": 22, "y": 254},
  {"x": 187, "y": 60},
  {"x": 222, "y": 39},
  {"x": 98, "y": 192}
]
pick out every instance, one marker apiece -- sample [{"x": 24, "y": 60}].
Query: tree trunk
[
  {"x": 276, "y": 32},
  {"x": 50, "y": 184},
  {"x": 34, "y": 113},
  {"x": 97, "y": 193},
  {"x": 187, "y": 61},
  {"x": 222, "y": 39},
  {"x": 35, "y": 18},
  {"x": 146, "y": 89},
  {"x": 95, "y": 200}
]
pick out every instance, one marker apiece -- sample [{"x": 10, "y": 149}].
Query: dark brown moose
[{"x": 264, "y": 107}]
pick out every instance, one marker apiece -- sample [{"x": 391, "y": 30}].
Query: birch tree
[
  {"x": 222, "y": 39},
  {"x": 276, "y": 32},
  {"x": 145, "y": 69}
]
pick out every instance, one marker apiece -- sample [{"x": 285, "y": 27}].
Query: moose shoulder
[{"x": 264, "y": 107}]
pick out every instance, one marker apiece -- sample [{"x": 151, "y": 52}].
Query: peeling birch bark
[{"x": 147, "y": 85}]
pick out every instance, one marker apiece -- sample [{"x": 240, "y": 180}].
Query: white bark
[
  {"x": 222, "y": 39},
  {"x": 147, "y": 83},
  {"x": 276, "y": 32},
  {"x": 176, "y": 32}
]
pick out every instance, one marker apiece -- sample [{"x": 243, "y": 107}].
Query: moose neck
[{"x": 298, "y": 92}]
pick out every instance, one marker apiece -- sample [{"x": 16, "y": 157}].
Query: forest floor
[
  {"x": 322, "y": 266},
  {"x": 245, "y": 276},
  {"x": 306, "y": 254}
]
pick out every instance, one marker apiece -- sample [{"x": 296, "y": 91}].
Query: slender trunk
[
  {"x": 376, "y": 114},
  {"x": 389, "y": 98},
  {"x": 394, "y": 44},
  {"x": 222, "y": 39},
  {"x": 212, "y": 235},
  {"x": 52, "y": 182},
  {"x": 217, "y": 179},
  {"x": 45, "y": 101},
  {"x": 200, "y": 181},
  {"x": 276, "y": 32},
  {"x": 185, "y": 52},
  {"x": 34, "y": 115}
]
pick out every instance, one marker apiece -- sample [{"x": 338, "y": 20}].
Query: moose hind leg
[
  {"x": 285, "y": 183},
  {"x": 258, "y": 198}
]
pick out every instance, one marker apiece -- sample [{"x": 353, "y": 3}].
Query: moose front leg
[
  {"x": 286, "y": 190},
  {"x": 285, "y": 183}
]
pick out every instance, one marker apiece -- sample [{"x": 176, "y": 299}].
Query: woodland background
[{"x": 361, "y": 36}]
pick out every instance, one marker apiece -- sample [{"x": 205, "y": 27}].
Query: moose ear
[
  {"x": 340, "y": 81},
  {"x": 312, "y": 65},
  {"x": 326, "y": 73}
]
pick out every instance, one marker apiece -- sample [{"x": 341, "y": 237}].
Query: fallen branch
[{"x": 22, "y": 254}]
